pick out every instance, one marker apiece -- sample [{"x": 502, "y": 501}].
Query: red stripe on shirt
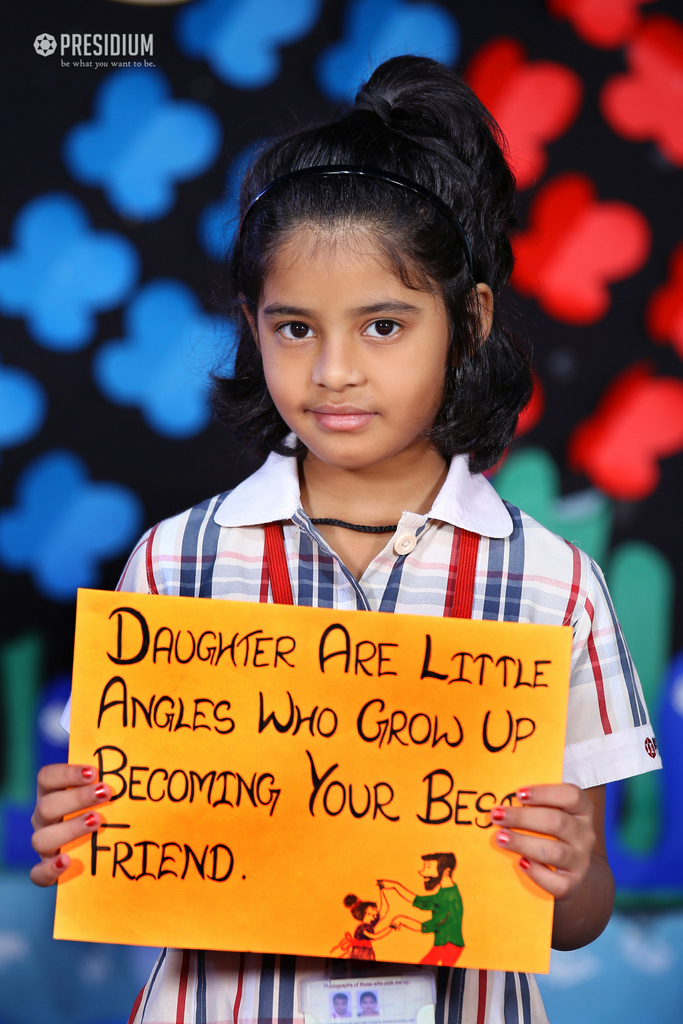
[
  {"x": 574, "y": 592},
  {"x": 265, "y": 577},
  {"x": 238, "y": 993},
  {"x": 597, "y": 675},
  {"x": 151, "y": 582},
  {"x": 136, "y": 1005},
  {"x": 481, "y": 1004},
  {"x": 452, "y": 573},
  {"x": 182, "y": 988}
]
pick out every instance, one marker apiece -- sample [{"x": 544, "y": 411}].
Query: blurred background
[{"x": 119, "y": 177}]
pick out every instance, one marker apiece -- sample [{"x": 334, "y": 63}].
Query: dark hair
[
  {"x": 358, "y": 907},
  {"x": 364, "y": 995},
  {"x": 446, "y": 861},
  {"x": 417, "y": 118}
]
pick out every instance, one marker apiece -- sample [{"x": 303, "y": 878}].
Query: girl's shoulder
[{"x": 549, "y": 569}]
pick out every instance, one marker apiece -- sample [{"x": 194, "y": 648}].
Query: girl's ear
[
  {"x": 251, "y": 321},
  {"x": 485, "y": 310}
]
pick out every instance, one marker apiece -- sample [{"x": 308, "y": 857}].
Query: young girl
[
  {"x": 359, "y": 945},
  {"x": 374, "y": 367}
]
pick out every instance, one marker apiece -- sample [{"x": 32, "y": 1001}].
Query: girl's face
[
  {"x": 353, "y": 358},
  {"x": 371, "y": 915}
]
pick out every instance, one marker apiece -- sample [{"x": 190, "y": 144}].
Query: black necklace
[{"x": 355, "y": 526}]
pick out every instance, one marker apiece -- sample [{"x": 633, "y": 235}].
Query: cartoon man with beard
[{"x": 443, "y": 900}]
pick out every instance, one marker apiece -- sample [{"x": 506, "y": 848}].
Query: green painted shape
[
  {"x": 21, "y": 670},
  {"x": 642, "y": 585},
  {"x": 530, "y": 480}
]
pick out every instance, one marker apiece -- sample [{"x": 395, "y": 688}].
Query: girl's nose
[{"x": 337, "y": 364}]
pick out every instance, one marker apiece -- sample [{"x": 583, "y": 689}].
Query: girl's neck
[{"x": 373, "y": 495}]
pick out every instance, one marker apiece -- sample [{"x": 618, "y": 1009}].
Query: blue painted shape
[
  {"x": 60, "y": 273},
  {"x": 63, "y": 525},
  {"x": 46, "y": 981},
  {"x": 241, "y": 39},
  {"x": 218, "y": 221},
  {"x": 141, "y": 142},
  {"x": 23, "y": 406},
  {"x": 632, "y": 972},
  {"x": 16, "y": 833},
  {"x": 374, "y": 31},
  {"x": 160, "y": 365},
  {"x": 661, "y": 869}
]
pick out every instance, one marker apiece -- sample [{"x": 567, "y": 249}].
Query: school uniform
[{"x": 523, "y": 573}]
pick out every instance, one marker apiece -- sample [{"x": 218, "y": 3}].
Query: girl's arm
[
  {"x": 403, "y": 921},
  {"x": 568, "y": 823}
]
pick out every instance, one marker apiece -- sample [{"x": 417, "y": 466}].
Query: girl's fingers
[
  {"x": 539, "y": 848},
  {"x": 556, "y": 883},
  {"x": 52, "y": 777},
  {"x": 564, "y": 796},
  {"x": 49, "y": 840},
  {"x": 547, "y": 820},
  {"x": 53, "y": 806},
  {"x": 48, "y": 871}
]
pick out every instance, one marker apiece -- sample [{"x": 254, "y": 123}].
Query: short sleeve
[
  {"x": 424, "y": 902},
  {"x": 609, "y": 736},
  {"x": 133, "y": 581}
]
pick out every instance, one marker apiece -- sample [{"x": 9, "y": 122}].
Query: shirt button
[{"x": 405, "y": 543}]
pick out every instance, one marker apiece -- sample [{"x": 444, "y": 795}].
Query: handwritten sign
[{"x": 304, "y": 780}]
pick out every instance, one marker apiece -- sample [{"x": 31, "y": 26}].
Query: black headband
[{"x": 325, "y": 170}]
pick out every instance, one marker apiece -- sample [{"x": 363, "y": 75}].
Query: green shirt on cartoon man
[{"x": 443, "y": 901}]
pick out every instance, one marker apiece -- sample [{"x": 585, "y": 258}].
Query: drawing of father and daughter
[{"x": 442, "y": 899}]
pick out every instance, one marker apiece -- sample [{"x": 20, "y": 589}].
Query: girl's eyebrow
[{"x": 384, "y": 306}]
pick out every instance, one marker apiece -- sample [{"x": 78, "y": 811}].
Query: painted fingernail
[
  {"x": 88, "y": 774},
  {"x": 523, "y": 794},
  {"x": 100, "y": 791},
  {"x": 503, "y": 837},
  {"x": 90, "y": 820},
  {"x": 524, "y": 863},
  {"x": 498, "y": 814},
  {"x": 60, "y": 864}
]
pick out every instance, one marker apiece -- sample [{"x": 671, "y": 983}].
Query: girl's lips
[{"x": 350, "y": 419}]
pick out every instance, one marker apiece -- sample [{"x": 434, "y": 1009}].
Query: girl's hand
[
  {"x": 565, "y": 814},
  {"x": 63, "y": 789}
]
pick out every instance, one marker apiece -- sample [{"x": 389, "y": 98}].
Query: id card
[{"x": 407, "y": 998}]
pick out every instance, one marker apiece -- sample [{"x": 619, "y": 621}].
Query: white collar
[{"x": 271, "y": 494}]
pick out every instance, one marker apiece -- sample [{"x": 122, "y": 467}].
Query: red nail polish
[
  {"x": 523, "y": 794},
  {"x": 100, "y": 791},
  {"x": 503, "y": 837},
  {"x": 90, "y": 820},
  {"x": 524, "y": 863},
  {"x": 88, "y": 774},
  {"x": 59, "y": 864},
  {"x": 498, "y": 814}
]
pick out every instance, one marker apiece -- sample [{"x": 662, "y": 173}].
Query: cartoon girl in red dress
[{"x": 359, "y": 945}]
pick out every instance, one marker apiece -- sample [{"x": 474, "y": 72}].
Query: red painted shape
[
  {"x": 534, "y": 102},
  {"x": 664, "y": 315},
  {"x": 638, "y": 422},
  {"x": 533, "y": 411},
  {"x": 603, "y": 23},
  {"x": 647, "y": 101},
  {"x": 575, "y": 246}
]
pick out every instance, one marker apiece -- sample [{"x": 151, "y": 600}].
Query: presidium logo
[{"x": 95, "y": 44}]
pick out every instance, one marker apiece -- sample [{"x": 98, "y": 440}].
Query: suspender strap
[
  {"x": 463, "y": 567},
  {"x": 463, "y": 596},
  {"x": 276, "y": 563}
]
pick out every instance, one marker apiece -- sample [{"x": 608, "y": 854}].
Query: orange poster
[{"x": 310, "y": 781}]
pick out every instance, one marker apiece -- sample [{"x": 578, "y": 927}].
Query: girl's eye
[
  {"x": 294, "y": 331},
  {"x": 383, "y": 328}
]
